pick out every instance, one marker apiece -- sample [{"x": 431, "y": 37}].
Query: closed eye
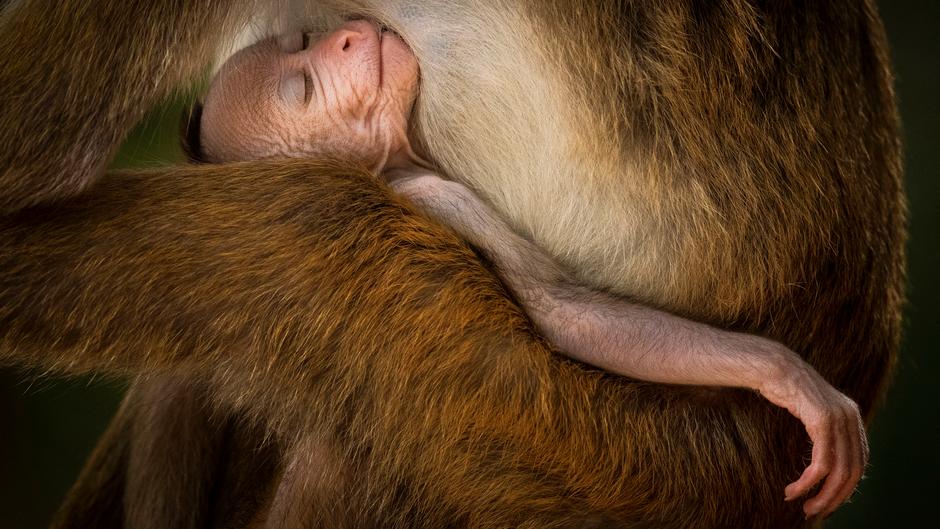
[
  {"x": 295, "y": 88},
  {"x": 308, "y": 87}
]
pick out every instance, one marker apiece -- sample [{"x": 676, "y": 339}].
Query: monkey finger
[
  {"x": 855, "y": 437},
  {"x": 837, "y": 477},
  {"x": 819, "y": 467},
  {"x": 847, "y": 485}
]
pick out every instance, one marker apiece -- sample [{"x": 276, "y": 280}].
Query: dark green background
[{"x": 48, "y": 427}]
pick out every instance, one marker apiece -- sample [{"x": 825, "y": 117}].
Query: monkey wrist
[{"x": 777, "y": 371}]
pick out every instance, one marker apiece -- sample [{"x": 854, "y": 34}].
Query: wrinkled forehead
[{"x": 238, "y": 110}]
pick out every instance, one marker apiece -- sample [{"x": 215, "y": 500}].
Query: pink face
[{"x": 348, "y": 94}]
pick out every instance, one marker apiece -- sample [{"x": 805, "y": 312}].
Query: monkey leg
[
  {"x": 97, "y": 498},
  {"x": 175, "y": 445},
  {"x": 155, "y": 464},
  {"x": 167, "y": 461},
  {"x": 313, "y": 488}
]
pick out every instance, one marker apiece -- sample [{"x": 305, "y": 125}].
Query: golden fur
[{"x": 737, "y": 163}]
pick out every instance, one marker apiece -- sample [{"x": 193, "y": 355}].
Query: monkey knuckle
[
  {"x": 854, "y": 410},
  {"x": 813, "y": 476},
  {"x": 839, "y": 475},
  {"x": 842, "y": 419},
  {"x": 815, "y": 426}
]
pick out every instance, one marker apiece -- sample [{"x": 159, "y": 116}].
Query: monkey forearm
[
  {"x": 649, "y": 344},
  {"x": 184, "y": 268},
  {"x": 54, "y": 140}
]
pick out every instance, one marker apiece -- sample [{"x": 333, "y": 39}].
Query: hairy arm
[
  {"x": 57, "y": 57},
  {"x": 305, "y": 294}
]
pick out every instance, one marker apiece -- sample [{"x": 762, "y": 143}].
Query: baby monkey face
[{"x": 348, "y": 94}]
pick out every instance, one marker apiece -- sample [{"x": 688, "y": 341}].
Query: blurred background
[{"x": 49, "y": 426}]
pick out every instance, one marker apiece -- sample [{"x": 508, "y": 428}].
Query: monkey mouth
[{"x": 380, "y": 30}]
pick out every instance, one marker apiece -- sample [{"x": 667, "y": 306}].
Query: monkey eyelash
[{"x": 308, "y": 87}]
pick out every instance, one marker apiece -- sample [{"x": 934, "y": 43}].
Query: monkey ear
[{"x": 190, "y": 133}]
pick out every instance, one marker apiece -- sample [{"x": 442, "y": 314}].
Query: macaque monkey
[
  {"x": 330, "y": 98},
  {"x": 733, "y": 164}
]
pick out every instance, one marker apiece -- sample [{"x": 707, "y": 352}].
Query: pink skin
[{"x": 350, "y": 94}]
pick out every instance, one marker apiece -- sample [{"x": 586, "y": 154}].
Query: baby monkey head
[{"x": 347, "y": 94}]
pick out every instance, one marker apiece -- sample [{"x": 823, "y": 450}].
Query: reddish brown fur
[
  {"x": 42, "y": 86},
  {"x": 176, "y": 442},
  {"x": 294, "y": 290}
]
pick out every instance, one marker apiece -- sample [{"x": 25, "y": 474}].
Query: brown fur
[
  {"x": 737, "y": 163},
  {"x": 175, "y": 442}
]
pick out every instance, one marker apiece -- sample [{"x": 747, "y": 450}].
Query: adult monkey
[{"x": 752, "y": 153}]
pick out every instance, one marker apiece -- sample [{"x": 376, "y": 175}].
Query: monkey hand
[{"x": 834, "y": 425}]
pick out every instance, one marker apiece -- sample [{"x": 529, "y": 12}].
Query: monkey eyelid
[
  {"x": 287, "y": 88},
  {"x": 308, "y": 87}
]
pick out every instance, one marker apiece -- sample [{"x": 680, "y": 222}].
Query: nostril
[{"x": 346, "y": 44}]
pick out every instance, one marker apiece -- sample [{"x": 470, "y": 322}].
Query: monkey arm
[
  {"x": 191, "y": 252},
  {"x": 218, "y": 270},
  {"x": 304, "y": 294},
  {"x": 648, "y": 344},
  {"x": 56, "y": 137}
]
